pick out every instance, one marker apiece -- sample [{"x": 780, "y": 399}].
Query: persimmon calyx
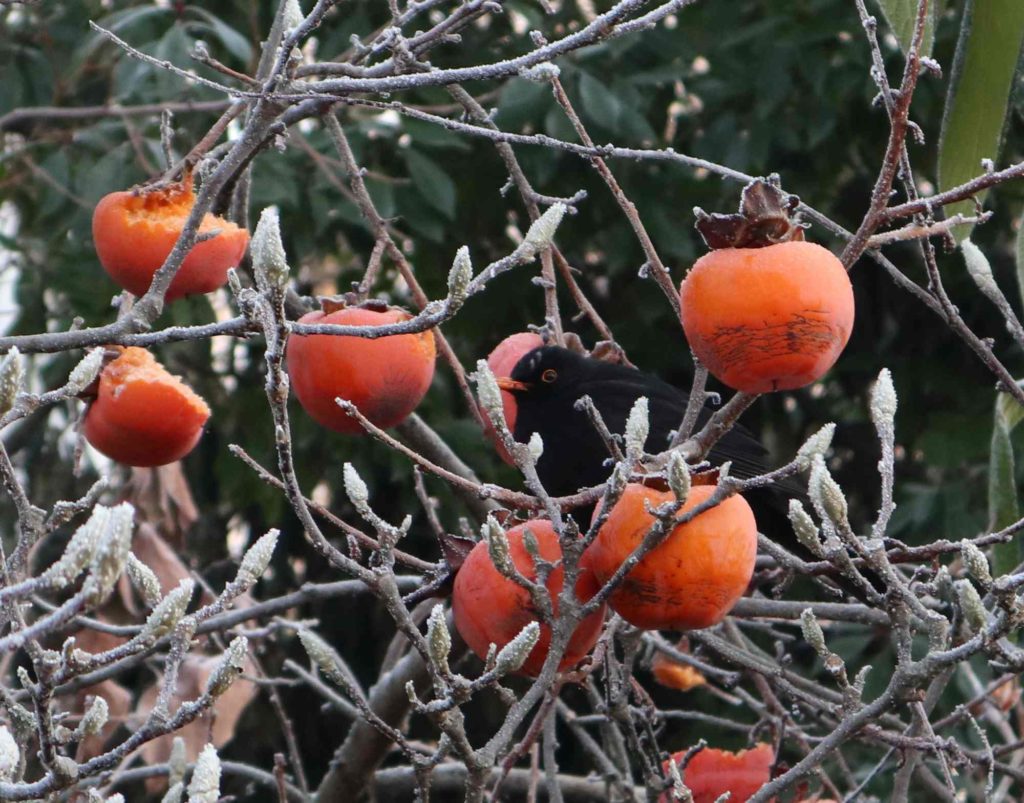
[{"x": 767, "y": 216}]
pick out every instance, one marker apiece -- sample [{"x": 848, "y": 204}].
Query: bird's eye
[{"x": 550, "y": 375}]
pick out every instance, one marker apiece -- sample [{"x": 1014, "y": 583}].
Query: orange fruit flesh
[{"x": 144, "y": 416}]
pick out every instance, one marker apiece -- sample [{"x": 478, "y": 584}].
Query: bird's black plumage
[{"x": 574, "y": 453}]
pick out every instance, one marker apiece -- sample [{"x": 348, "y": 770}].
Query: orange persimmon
[
  {"x": 143, "y": 415},
  {"x": 693, "y": 577},
  {"x": 501, "y": 361},
  {"x": 713, "y": 772},
  {"x": 490, "y": 608},
  {"x": 675, "y": 674},
  {"x": 135, "y": 231},
  {"x": 765, "y": 319},
  {"x": 385, "y": 377}
]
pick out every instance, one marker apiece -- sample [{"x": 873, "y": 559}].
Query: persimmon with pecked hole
[
  {"x": 135, "y": 231},
  {"x": 490, "y": 608},
  {"x": 693, "y": 577},
  {"x": 385, "y": 377},
  {"x": 143, "y": 415},
  {"x": 713, "y": 772},
  {"x": 501, "y": 361}
]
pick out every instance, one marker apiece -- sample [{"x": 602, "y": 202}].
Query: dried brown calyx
[{"x": 767, "y": 216}]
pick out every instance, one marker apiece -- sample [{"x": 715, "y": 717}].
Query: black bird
[{"x": 548, "y": 381}]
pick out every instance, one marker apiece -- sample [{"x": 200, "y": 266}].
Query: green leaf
[
  {"x": 983, "y": 72},
  {"x": 234, "y": 42},
  {"x": 1003, "y": 507},
  {"x": 432, "y": 182},
  {"x": 1020, "y": 258},
  {"x": 902, "y": 18},
  {"x": 599, "y": 103}
]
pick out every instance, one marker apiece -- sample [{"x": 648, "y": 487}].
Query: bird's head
[{"x": 547, "y": 370}]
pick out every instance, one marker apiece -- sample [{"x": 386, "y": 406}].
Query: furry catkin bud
[
  {"x": 293, "y": 15},
  {"x": 324, "y": 656},
  {"x": 177, "y": 764},
  {"x": 85, "y": 373},
  {"x": 542, "y": 73},
  {"x": 514, "y": 654},
  {"x": 356, "y": 488},
  {"x": 976, "y": 563},
  {"x": 883, "y": 401},
  {"x": 637, "y": 427},
  {"x": 813, "y": 634},
  {"x": 678, "y": 476},
  {"x": 542, "y": 232},
  {"x": 12, "y": 376},
  {"x": 10, "y": 755},
  {"x": 489, "y": 393},
  {"x": 980, "y": 270},
  {"x": 817, "y": 444},
  {"x": 205, "y": 784},
  {"x": 269, "y": 263},
  {"x": 459, "y": 277},
  {"x": 169, "y": 611},
  {"x": 825, "y": 492},
  {"x": 174, "y": 793},
  {"x": 95, "y": 717},
  {"x": 112, "y": 550},
  {"x": 619, "y": 479},
  {"x": 498, "y": 547},
  {"x": 65, "y": 769},
  {"x": 535, "y": 446},
  {"x": 143, "y": 580},
  {"x": 229, "y": 668},
  {"x": 438, "y": 638},
  {"x": 256, "y": 559},
  {"x": 975, "y": 615},
  {"x": 806, "y": 530}
]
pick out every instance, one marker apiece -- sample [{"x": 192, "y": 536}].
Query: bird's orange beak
[{"x": 510, "y": 384}]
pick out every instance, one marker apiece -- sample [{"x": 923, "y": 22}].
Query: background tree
[{"x": 388, "y": 136}]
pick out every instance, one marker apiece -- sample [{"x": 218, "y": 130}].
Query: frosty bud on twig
[
  {"x": 96, "y": 797},
  {"x": 489, "y": 393},
  {"x": 498, "y": 547},
  {"x": 257, "y": 558},
  {"x": 292, "y": 15},
  {"x": 174, "y": 794},
  {"x": 975, "y": 615},
  {"x": 542, "y": 232},
  {"x": 535, "y": 446},
  {"x": 65, "y": 769},
  {"x": 12, "y": 376},
  {"x": 205, "y": 784},
  {"x": 813, "y": 634},
  {"x": 83, "y": 374},
  {"x": 169, "y": 611},
  {"x": 269, "y": 263},
  {"x": 542, "y": 73},
  {"x": 143, "y": 580},
  {"x": 883, "y": 401},
  {"x": 514, "y": 654},
  {"x": 95, "y": 717},
  {"x": 356, "y": 488},
  {"x": 980, "y": 271},
  {"x": 806, "y": 530},
  {"x": 112, "y": 551},
  {"x": 678, "y": 476},
  {"x": 825, "y": 492},
  {"x": 324, "y": 656},
  {"x": 229, "y": 668},
  {"x": 79, "y": 551},
  {"x": 976, "y": 563},
  {"x": 438, "y": 638},
  {"x": 459, "y": 277},
  {"x": 10, "y": 755},
  {"x": 637, "y": 427},
  {"x": 817, "y": 444}
]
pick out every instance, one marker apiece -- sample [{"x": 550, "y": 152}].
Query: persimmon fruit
[
  {"x": 143, "y": 415},
  {"x": 675, "y": 674},
  {"x": 766, "y": 319},
  {"x": 693, "y": 577},
  {"x": 501, "y": 361},
  {"x": 490, "y": 608},
  {"x": 713, "y": 772},
  {"x": 134, "y": 232},
  {"x": 385, "y": 377}
]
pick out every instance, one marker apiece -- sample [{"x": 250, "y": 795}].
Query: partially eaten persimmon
[
  {"x": 134, "y": 232},
  {"x": 143, "y": 415}
]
